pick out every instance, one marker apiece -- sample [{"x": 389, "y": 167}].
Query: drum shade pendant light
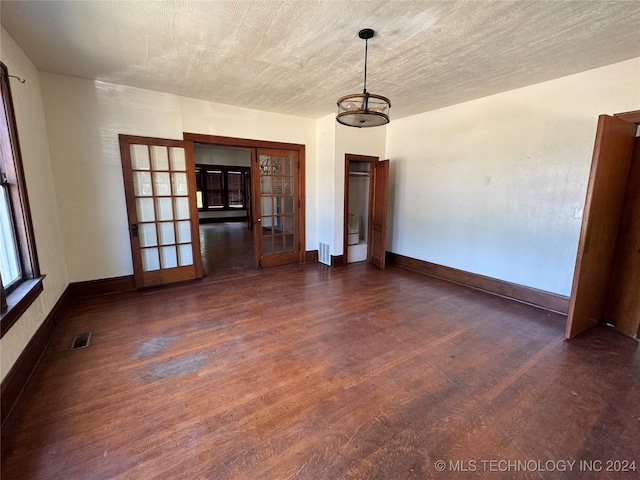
[{"x": 363, "y": 109}]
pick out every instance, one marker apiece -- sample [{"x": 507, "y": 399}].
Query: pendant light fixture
[{"x": 363, "y": 109}]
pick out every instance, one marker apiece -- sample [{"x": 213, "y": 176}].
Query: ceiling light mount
[{"x": 363, "y": 109}]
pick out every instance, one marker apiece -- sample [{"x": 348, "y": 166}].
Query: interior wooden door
[
  {"x": 623, "y": 304},
  {"x": 277, "y": 207},
  {"x": 160, "y": 185},
  {"x": 378, "y": 224},
  {"x": 605, "y": 199}
]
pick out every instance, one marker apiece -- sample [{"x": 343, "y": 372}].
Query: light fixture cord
[{"x": 366, "y": 48}]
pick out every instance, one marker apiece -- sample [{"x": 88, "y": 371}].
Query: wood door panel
[
  {"x": 623, "y": 306},
  {"x": 379, "y": 199},
  {"x": 610, "y": 167}
]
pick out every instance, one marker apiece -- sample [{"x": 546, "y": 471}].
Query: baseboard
[
  {"x": 16, "y": 380},
  {"x": 311, "y": 256},
  {"x": 337, "y": 260},
  {"x": 101, "y": 287},
  {"x": 539, "y": 298}
]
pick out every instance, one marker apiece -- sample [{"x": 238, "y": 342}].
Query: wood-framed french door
[
  {"x": 276, "y": 181},
  {"x": 160, "y": 185}
]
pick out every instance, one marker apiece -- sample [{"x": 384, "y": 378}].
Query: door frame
[
  {"x": 352, "y": 157},
  {"x": 255, "y": 144},
  {"x": 574, "y": 328}
]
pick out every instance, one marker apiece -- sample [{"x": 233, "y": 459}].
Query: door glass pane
[
  {"x": 288, "y": 186},
  {"x": 161, "y": 183},
  {"x": 145, "y": 210},
  {"x": 278, "y": 204},
  {"x": 159, "y": 158},
  {"x": 169, "y": 257},
  {"x": 278, "y": 243},
  {"x": 166, "y": 233},
  {"x": 139, "y": 157},
  {"x": 147, "y": 234},
  {"x": 142, "y": 184},
  {"x": 288, "y": 224},
  {"x": 179, "y": 183},
  {"x": 288, "y": 243},
  {"x": 265, "y": 185},
  {"x": 266, "y": 208},
  {"x": 288, "y": 206},
  {"x": 164, "y": 208},
  {"x": 276, "y": 165},
  {"x": 182, "y": 208},
  {"x": 184, "y": 231},
  {"x": 178, "y": 161},
  {"x": 288, "y": 166},
  {"x": 277, "y": 186},
  {"x": 185, "y": 254},
  {"x": 150, "y": 259}
]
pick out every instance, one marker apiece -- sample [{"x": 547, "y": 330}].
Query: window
[
  {"x": 221, "y": 187},
  {"x": 21, "y": 282}
]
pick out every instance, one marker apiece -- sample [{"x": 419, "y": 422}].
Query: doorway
[
  {"x": 274, "y": 197},
  {"x": 223, "y": 198},
  {"x": 365, "y": 209}
]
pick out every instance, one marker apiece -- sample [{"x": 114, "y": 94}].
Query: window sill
[{"x": 18, "y": 301}]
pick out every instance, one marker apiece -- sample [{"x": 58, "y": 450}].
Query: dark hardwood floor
[
  {"x": 311, "y": 372},
  {"x": 226, "y": 248}
]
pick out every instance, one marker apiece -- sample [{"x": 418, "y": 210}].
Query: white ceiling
[{"x": 298, "y": 57}]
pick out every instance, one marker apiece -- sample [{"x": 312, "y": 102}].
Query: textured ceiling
[{"x": 298, "y": 57}]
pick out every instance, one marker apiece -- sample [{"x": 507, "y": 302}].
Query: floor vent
[{"x": 81, "y": 341}]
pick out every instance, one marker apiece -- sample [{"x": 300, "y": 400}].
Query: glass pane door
[
  {"x": 278, "y": 215},
  {"x": 160, "y": 186}
]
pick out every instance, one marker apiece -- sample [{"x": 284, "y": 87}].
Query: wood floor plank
[{"x": 310, "y": 372}]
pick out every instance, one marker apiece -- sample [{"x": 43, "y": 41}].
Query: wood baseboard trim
[
  {"x": 311, "y": 256},
  {"x": 337, "y": 260},
  {"x": 103, "y": 286},
  {"x": 538, "y": 298},
  {"x": 16, "y": 380}
]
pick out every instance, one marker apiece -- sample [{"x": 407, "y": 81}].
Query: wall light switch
[{"x": 577, "y": 213}]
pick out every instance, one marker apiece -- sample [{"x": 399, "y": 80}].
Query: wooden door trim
[
  {"x": 352, "y": 157},
  {"x": 240, "y": 142},
  {"x": 632, "y": 117},
  {"x": 254, "y": 145}
]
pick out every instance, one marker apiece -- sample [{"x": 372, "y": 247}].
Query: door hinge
[{"x": 4, "y": 181}]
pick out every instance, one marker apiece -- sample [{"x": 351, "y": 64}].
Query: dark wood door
[
  {"x": 160, "y": 186},
  {"x": 604, "y": 205},
  {"x": 378, "y": 223},
  {"x": 276, "y": 178},
  {"x": 623, "y": 305}
]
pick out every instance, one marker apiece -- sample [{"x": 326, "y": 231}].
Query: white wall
[
  {"x": 84, "y": 119},
  {"x": 492, "y": 186},
  {"x": 32, "y": 133}
]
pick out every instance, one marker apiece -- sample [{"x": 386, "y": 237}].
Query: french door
[
  {"x": 159, "y": 180},
  {"x": 276, "y": 186}
]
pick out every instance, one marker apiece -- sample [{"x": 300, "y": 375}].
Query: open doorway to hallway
[{"x": 224, "y": 208}]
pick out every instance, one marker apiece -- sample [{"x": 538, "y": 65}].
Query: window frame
[
  {"x": 201, "y": 171},
  {"x": 14, "y": 302}
]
